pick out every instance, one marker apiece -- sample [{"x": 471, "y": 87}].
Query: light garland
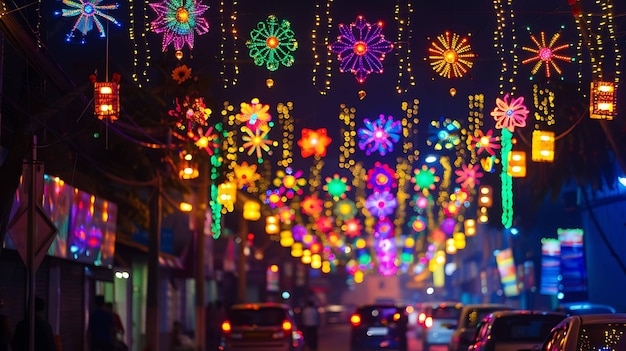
[
  {"x": 505, "y": 45},
  {"x": 325, "y": 41},
  {"x": 231, "y": 21},
  {"x": 476, "y": 104},
  {"x": 138, "y": 38},
  {"x": 543, "y": 101},
  {"x": 402, "y": 15}
]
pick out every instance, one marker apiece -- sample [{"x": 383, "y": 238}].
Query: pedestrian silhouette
[
  {"x": 101, "y": 330},
  {"x": 310, "y": 322},
  {"x": 6, "y": 335},
  {"x": 43, "y": 339}
]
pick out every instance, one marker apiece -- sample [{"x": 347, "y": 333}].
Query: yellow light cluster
[
  {"x": 476, "y": 105},
  {"x": 286, "y": 121},
  {"x": 543, "y": 100},
  {"x": 348, "y": 147},
  {"x": 272, "y": 224},
  {"x": 517, "y": 164},
  {"x": 297, "y": 250},
  {"x": 286, "y": 238},
  {"x": 602, "y": 103},
  {"x": 409, "y": 129}
]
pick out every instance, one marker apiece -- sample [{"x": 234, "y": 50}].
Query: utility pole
[
  {"x": 154, "y": 248},
  {"x": 202, "y": 198}
]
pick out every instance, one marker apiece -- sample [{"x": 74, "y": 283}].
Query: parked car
[
  {"x": 265, "y": 326},
  {"x": 589, "y": 332},
  {"x": 514, "y": 330},
  {"x": 438, "y": 319},
  {"x": 465, "y": 327},
  {"x": 577, "y": 308},
  {"x": 335, "y": 314},
  {"x": 379, "y": 327}
]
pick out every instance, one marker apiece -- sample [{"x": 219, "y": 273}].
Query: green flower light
[
  {"x": 271, "y": 43},
  {"x": 337, "y": 186}
]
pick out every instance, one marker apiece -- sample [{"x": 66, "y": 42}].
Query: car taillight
[
  {"x": 396, "y": 316},
  {"x": 226, "y": 328},
  {"x": 286, "y": 325},
  {"x": 355, "y": 320},
  {"x": 428, "y": 322},
  {"x": 421, "y": 318}
]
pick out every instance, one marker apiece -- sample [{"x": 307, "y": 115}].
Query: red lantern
[{"x": 106, "y": 100}]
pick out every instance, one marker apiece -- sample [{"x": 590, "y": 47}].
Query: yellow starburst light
[
  {"x": 546, "y": 53},
  {"x": 257, "y": 142},
  {"x": 450, "y": 55}
]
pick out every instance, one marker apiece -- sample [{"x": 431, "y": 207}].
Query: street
[{"x": 336, "y": 337}]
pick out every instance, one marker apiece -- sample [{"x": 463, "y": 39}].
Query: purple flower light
[
  {"x": 361, "y": 47},
  {"x": 379, "y": 135}
]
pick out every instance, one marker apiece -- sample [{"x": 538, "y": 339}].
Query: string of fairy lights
[
  {"x": 286, "y": 122},
  {"x": 320, "y": 38},
  {"x": 137, "y": 32},
  {"x": 229, "y": 66},
  {"x": 403, "y": 11},
  {"x": 348, "y": 147}
]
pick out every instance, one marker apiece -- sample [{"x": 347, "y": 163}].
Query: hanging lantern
[
  {"x": 485, "y": 197},
  {"x": 271, "y": 225},
  {"x": 470, "y": 227},
  {"x": 603, "y": 100},
  {"x": 107, "y": 100},
  {"x": 453, "y": 92},
  {"x": 269, "y": 82},
  {"x": 517, "y": 164},
  {"x": 459, "y": 240},
  {"x": 179, "y": 55},
  {"x": 188, "y": 166},
  {"x": 251, "y": 210},
  {"x": 543, "y": 146}
]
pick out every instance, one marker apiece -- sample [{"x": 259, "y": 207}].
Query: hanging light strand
[{"x": 402, "y": 15}]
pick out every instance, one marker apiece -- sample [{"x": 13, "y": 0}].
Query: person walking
[
  {"x": 310, "y": 322},
  {"x": 101, "y": 328},
  {"x": 43, "y": 338},
  {"x": 6, "y": 335}
]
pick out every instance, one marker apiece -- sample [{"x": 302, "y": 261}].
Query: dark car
[
  {"x": 514, "y": 330},
  {"x": 261, "y": 326},
  {"x": 471, "y": 315},
  {"x": 578, "y": 308},
  {"x": 379, "y": 327},
  {"x": 591, "y": 332}
]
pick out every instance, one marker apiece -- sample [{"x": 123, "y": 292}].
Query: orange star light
[
  {"x": 245, "y": 175},
  {"x": 314, "y": 142}
]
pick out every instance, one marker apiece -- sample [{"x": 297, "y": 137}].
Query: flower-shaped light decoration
[
  {"x": 418, "y": 224},
  {"x": 87, "y": 15},
  {"x": 274, "y": 198},
  {"x": 299, "y": 231},
  {"x": 206, "y": 140},
  {"x": 286, "y": 215},
  {"x": 361, "y": 48},
  {"x": 312, "y": 205},
  {"x": 383, "y": 228},
  {"x": 345, "y": 209},
  {"x": 444, "y": 134},
  {"x": 424, "y": 178},
  {"x": 324, "y": 224},
  {"x": 381, "y": 177},
  {"x": 257, "y": 141},
  {"x": 289, "y": 182},
  {"x": 485, "y": 142},
  {"x": 255, "y": 115},
  {"x": 352, "y": 227},
  {"x": 314, "y": 142},
  {"x": 181, "y": 73},
  {"x": 337, "y": 186},
  {"x": 379, "y": 135},
  {"x": 271, "y": 43},
  {"x": 381, "y": 204},
  {"x": 245, "y": 175},
  {"x": 190, "y": 113},
  {"x": 468, "y": 176},
  {"x": 450, "y": 55},
  {"x": 177, "y": 20},
  {"x": 546, "y": 53},
  {"x": 421, "y": 202},
  {"x": 510, "y": 114}
]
